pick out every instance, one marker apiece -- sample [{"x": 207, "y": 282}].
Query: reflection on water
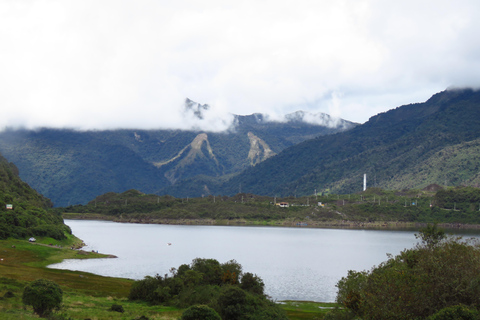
[{"x": 294, "y": 263}]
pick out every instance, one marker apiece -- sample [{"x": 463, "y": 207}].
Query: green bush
[
  {"x": 43, "y": 295},
  {"x": 200, "y": 312},
  {"x": 417, "y": 283},
  {"x": 232, "y": 303},
  {"x": 207, "y": 282},
  {"x": 455, "y": 313},
  {"x": 117, "y": 308}
]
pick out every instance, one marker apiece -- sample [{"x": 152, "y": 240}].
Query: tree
[
  {"x": 252, "y": 283},
  {"x": 233, "y": 303},
  {"x": 43, "y": 295},
  {"x": 431, "y": 235},
  {"x": 210, "y": 268},
  {"x": 231, "y": 272},
  {"x": 200, "y": 312}
]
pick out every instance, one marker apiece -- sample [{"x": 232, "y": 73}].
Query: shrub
[
  {"x": 117, "y": 308},
  {"x": 145, "y": 289},
  {"x": 9, "y": 294},
  {"x": 455, "y": 313},
  {"x": 232, "y": 303},
  {"x": 417, "y": 283},
  {"x": 43, "y": 295},
  {"x": 200, "y": 312}
]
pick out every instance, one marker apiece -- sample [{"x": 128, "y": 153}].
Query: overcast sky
[{"x": 131, "y": 64}]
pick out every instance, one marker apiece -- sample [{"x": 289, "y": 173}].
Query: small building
[
  {"x": 9, "y": 206},
  {"x": 283, "y": 204},
  {"x": 32, "y": 239}
]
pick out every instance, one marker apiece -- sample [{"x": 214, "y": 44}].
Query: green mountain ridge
[{"x": 407, "y": 147}]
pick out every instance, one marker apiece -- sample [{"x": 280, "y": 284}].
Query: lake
[{"x": 294, "y": 263}]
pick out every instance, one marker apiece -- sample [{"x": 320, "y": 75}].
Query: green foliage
[
  {"x": 252, "y": 283},
  {"x": 231, "y": 271},
  {"x": 350, "y": 290},
  {"x": 456, "y": 313},
  {"x": 207, "y": 282},
  {"x": 200, "y": 312},
  {"x": 28, "y": 216},
  {"x": 431, "y": 235},
  {"x": 417, "y": 283},
  {"x": 209, "y": 269},
  {"x": 461, "y": 198},
  {"x": 43, "y": 295},
  {"x": 232, "y": 303}
]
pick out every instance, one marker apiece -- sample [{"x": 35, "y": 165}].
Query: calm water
[{"x": 294, "y": 263}]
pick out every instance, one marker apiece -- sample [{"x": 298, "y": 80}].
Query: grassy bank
[{"x": 87, "y": 296}]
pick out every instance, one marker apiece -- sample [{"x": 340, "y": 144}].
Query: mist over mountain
[{"x": 72, "y": 167}]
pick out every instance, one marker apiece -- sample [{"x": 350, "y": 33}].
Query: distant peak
[
  {"x": 319, "y": 118},
  {"x": 195, "y": 108}
]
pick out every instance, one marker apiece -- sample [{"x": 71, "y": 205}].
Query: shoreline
[{"x": 334, "y": 224}]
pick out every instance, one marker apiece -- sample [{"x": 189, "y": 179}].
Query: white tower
[{"x": 364, "y": 181}]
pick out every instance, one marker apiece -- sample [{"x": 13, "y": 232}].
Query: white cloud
[{"x": 111, "y": 64}]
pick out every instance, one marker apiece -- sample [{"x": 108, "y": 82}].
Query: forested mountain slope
[
  {"x": 411, "y": 146},
  {"x": 22, "y": 209},
  {"x": 72, "y": 167}
]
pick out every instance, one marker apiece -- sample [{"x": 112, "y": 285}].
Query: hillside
[
  {"x": 411, "y": 146},
  {"x": 373, "y": 208},
  {"x": 22, "y": 209},
  {"x": 71, "y": 167}
]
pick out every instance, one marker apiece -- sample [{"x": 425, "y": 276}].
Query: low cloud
[{"x": 122, "y": 64}]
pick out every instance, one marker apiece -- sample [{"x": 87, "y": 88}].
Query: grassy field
[
  {"x": 300, "y": 310},
  {"x": 87, "y": 296}
]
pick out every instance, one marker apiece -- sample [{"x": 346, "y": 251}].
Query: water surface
[{"x": 294, "y": 263}]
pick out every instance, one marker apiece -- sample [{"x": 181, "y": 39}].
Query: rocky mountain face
[{"x": 72, "y": 167}]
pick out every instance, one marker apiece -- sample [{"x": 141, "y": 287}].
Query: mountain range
[
  {"x": 412, "y": 146},
  {"x": 72, "y": 167}
]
